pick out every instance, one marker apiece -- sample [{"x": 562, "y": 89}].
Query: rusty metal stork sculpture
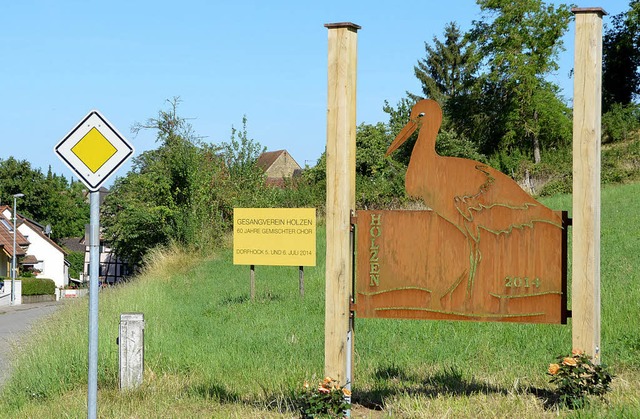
[{"x": 469, "y": 194}]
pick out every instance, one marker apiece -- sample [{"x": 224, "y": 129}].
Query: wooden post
[
  {"x": 587, "y": 109},
  {"x": 252, "y": 286},
  {"x": 301, "y": 280},
  {"x": 341, "y": 193}
]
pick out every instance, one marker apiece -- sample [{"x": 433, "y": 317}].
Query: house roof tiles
[
  {"x": 267, "y": 159},
  {"x": 29, "y": 260},
  {"x": 74, "y": 244},
  {"x": 6, "y": 236}
]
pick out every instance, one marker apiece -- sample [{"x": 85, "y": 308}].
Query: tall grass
[{"x": 211, "y": 352}]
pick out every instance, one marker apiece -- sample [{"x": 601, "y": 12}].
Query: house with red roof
[
  {"x": 40, "y": 254},
  {"x": 6, "y": 246},
  {"x": 278, "y": 165}
]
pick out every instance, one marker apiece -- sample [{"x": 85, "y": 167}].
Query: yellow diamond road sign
[{"x": 93, "y": 150}]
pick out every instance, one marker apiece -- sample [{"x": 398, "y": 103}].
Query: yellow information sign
[{"x": 274, "y": 236}]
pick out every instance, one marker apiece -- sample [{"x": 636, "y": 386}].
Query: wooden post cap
[
  {"x": 598, "y": 10},
  {"x": 339, "y": 25}
]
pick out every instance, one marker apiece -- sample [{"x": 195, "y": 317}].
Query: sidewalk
[
  {"x": 22, "y": 307},
  {"x": 15, "y": 322}
]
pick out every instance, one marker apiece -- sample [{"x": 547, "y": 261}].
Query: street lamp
[{"x": 13, "y": 259}]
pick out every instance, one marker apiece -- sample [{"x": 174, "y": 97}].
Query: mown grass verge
[{"x": 211, "y": 352}]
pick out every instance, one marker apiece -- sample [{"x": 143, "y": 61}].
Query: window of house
[{"x": 7, "y": 224}]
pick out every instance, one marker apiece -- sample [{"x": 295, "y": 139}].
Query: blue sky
[{"x": 263, "y": 59}]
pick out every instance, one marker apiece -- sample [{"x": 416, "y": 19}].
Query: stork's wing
[{"x": 503, "y": 218}]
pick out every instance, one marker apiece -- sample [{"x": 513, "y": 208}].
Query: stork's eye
[{"x": 421, "y": 114}]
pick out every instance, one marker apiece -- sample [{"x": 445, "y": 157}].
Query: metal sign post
[
  {"x": 93, "y": 150},
  {"x": 94, "y": 264}
]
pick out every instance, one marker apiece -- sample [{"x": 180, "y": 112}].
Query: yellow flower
[
  {"x": 346, "y": 391},
  {"x": 553, "y": 369},
  {"x": 577, "y": 352},
  {"x": 306, "y": 384},
  {"x": 323, "y": 390},
  {"x": 327, "y": 380},
  {"x": 570, "y": 361}
]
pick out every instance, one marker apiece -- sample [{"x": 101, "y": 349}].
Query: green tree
[
  {"x": 17, "y": 176},
  {"x": 398, "y": 118},
  {"x": 450, "y": 142},
  {"x": 621, "y": 122},
  {"x": 379, "y": 180},
  {"x": 177, "y": 150},
  {"x": 448, "y": 70},
  {"x": 184, "y": 191},
  {"x": 167, "y": 196},
  {"x": 47, "y": 199},
  {"x": 76, "y": 263},
  {"x": 240, "y": 155},
  {"x": 520, "y": 42},
  {"x": 67, "y": 209},
  {"x": 139, "y": 213},
  {"x": 621, "y": 58}
]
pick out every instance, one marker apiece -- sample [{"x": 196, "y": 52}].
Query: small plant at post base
[
  {"x": 327, "y": 400},
  {"x": 576, "y": 377}
]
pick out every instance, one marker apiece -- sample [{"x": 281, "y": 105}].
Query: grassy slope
[{"x": 212, "y": 353}]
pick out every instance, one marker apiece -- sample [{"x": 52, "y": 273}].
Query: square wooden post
[
  {"x": 587, "y": 109},
  {"x": 341, "y": 192}
]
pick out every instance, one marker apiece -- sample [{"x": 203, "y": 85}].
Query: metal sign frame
[{"x": 116, "y": 150}]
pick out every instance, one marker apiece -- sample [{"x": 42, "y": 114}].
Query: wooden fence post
[
  {"x": 587, "y": 109},
  {"x": 341, "y": 186}
]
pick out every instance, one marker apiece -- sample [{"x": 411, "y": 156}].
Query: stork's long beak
[{"x": 403, "y": 135}]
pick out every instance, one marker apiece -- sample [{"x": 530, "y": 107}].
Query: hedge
[{"x": 38, "y": 286}]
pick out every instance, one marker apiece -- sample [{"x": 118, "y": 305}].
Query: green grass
[{"x": 211, "y": 352}]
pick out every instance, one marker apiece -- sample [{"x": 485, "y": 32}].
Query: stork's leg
[
  {"x": 435, "y": 303},
  {"x": 451, "y": 289},
  {"x": 474, "y": 260}
]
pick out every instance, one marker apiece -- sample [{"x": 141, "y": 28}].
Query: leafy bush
[
  {"x": 508, "y": 162},
  {"x": 576, "y": 377},
  {"x": 38, "y": 286},
  {"x": 451, "y": 144},
  {"x": 76, "y": 261},
  {"x": 329, "y": 400},
  {"x": 621, "y": 122},
  {"x": 562, "y": 185},
  {"x": 621, "y": 162}
]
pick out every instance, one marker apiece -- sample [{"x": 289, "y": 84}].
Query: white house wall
[
  {"x": 111, "y": 270},
  {"x": 51, "y": 259}
]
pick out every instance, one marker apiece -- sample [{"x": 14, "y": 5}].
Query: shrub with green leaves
[
  {"x": 328, "y": 400},
  {"x": 576, "y": 377},
  {"x": 38, "y": 286},
  {"x": 621, "y": 122},
  {"x": 76, "y": 261}
]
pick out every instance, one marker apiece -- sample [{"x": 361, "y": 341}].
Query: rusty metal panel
[
  {"x": 487, "y": 250},
  {"x": 417, "y": 265}
]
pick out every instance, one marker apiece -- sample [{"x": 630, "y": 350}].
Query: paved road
[{"x": 15, "y": 321}]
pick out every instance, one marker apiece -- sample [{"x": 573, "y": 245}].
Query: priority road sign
[{"x": 93, "y": 150}]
